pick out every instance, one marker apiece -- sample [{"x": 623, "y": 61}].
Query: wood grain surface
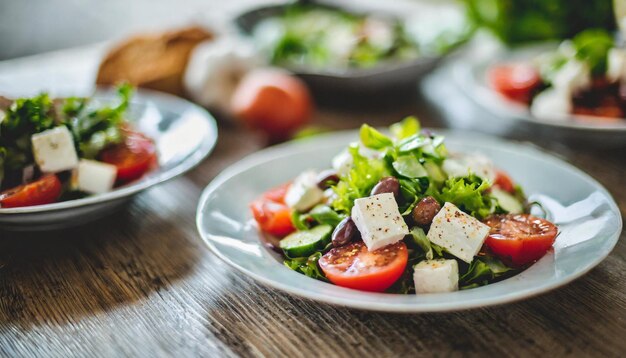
[{"x": 141, "y": 283}]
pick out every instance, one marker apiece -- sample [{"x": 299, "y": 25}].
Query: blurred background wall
[{"x": 33, "y": 26}]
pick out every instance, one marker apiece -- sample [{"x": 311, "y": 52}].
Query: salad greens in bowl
[
  {"x": 409, "y": 221},
  {"x": 335, "y": 46},
  {"x": 68, "y": 160},
  {"x": 401, "y": 214}
]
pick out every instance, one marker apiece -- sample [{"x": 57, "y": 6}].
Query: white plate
[
  {"x": 225, "y": 223},
  {"x": 470, "y": 76},
  {"x": 184, "y": 134}
]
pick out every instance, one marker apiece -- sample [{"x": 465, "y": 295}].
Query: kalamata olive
[
  {"x": 387, "y": 185},
  {"x": 345, "y": 232},
  {"x": 327, "y": 178},
  {"x": 425, "y": 210}
]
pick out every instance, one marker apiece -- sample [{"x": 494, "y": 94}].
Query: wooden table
[{"x": 141, "y": 282}]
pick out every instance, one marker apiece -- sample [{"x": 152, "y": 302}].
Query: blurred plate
[
  {"x": 184, "y": 134},
  {"x": 589, "y": 231},
  {"x": 382, "y": 76},
  {"x": 470, "y": 76}
]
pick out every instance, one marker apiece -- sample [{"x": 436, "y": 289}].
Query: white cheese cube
[
  {"x": 54, "y": 150},
  {"x": 573, "y": 76},
  {"x": 342, "y": 163},
  {"x": 460, "y": 234},
  {"x": 303, "y": 193},
  {"x": 95, "y": 177},
  {"x": 552, "y": 104},
  {"x": 379, "y": 221},
  {"x": 434, "y": 276},
  {"x": 460, "y": 165},
  {"x": 616, "y": 64}
]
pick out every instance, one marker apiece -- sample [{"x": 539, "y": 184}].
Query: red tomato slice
[
  {"x": 504, "y": 182},
  {"x": 353, "y": 266},
  {"x": 516, "y": 81},
  {"x": 133, "y": 157},
  {"x": 44, "y": 190},
  {"x": 271, "y": 213},
  {"x": 519, "y": 239},
  {"x": 277, "y": 194}
]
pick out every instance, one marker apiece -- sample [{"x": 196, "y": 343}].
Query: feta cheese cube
[
  {"x": 434, "y": 276},
  {"x": 54, "y": 150},
  {"x": 95, "y": 177},
  {"x": 460, "y": 165},
  {"x": 573, "y": 76},
  {"x": 552, "y": 104},
  {"x": 616, "y": 64},
  {"x": 460, "y": 234},
  {"x": 379, "y": 221},
  {"x": 342, "y": 163},
  {"x": 303, "y": 194}
]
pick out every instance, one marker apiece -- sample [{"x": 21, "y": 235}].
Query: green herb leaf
[
  {"x": 307, "y": 266},
  {"x": 406, "y": 128},
  {"x": 419, "y": 237},
  {"x": 468, "y": 194},
  {"x": 592, "y": 46},
  {"x": 408, "y": 166},
  {"x": 371, "y": 138},
  {"x": 324, "y": 215}
]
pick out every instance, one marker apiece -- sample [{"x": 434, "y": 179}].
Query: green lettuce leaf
[
  {"x": 468, "y": 194},
  {"x": 409, "y": 166},
  {"x": 359, "y": 181},
  {"x": 307, "y": 266},
  {"x": 407, "y": 127},
  {"x": 483, "y": 270},
  {"x": 371, "y": 138},
  {"x": 592, "y": 46}
]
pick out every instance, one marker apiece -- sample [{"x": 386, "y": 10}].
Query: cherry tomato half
[
  {"x": 504, "y": 182},
  {"x": 519, "y": 239},
  {"x": 44, "y": 190},
  {"x": 516, "y": 81},
  {"x": 133, "y": 157},
  {"x": 353, "y": 266},
  {"x": 271, "y": 213}
]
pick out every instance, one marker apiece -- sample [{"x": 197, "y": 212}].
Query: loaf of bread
[{"x": 155, "y": 61}]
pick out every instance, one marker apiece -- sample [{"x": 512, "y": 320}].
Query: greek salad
[
  {"x": 61, "y": 149},
  {"x": 318, "y": 36},
  {"x": 400, "y": 213},
  {"x": 583, "y": 76}
]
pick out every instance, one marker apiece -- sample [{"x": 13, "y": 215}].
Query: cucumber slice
[
  {"x": 304, "y": 243},
  {"x": 507, "y": 201}
]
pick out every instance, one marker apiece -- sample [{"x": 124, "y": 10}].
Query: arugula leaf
[
  {"x": 483, "y": 270},
  {"x": 371, "y": 138},
  {"x": 307, "y": 266},
  {"x": 407, "y": 127}
]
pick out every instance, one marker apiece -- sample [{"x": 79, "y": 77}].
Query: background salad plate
[
  {"x": 184, "y": 134},
  {"x": 587, "y": 216},
  {"x": 470, "y": 76}
]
